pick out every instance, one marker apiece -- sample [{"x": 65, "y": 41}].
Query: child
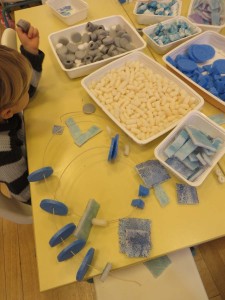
[{"x": 19, "y": 77}]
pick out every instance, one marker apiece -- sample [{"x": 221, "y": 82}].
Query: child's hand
[{"x": 29, "y": 40}]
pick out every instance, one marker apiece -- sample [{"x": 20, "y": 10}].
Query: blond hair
[{"x": 15, "y": 76}]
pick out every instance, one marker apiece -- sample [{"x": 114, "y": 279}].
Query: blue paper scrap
[
  {"x": 135, "y": 237},
  {"x": 186, "y": 194},
  {"x": 158, "y": 265},
  {"x": 152, "y": 172}
]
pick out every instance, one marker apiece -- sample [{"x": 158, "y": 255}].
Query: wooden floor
[{"x": 19, "y": 277}]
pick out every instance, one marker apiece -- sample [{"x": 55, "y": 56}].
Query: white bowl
[
  {"x": 69, "y": 11},
  {"x": 204, "y": 27},
  {"x": 203, "y": 123},
  {"x": 156, "y": 68},
  {"x": 108, "y": 22},
  {"x": 147, "y": 19},
  {"x": 162, "y": 49},
  {"x": 207, "y": 37}
]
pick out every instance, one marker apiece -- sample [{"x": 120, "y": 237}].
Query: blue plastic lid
[
  {"x": 71, "y": 250},
  {"x": 85, "y": 264},
  {"x": 62, "y": 234},
  {"x": 54, "y": 207},
  {"x": 40, "y": 174}
]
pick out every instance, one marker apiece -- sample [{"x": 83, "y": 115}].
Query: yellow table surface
[{"x": 84, "y": 173}]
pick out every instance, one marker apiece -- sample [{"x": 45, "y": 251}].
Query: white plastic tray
[
  {"x": 207, "y": 37},
  {"x": 147, "y": 19},
  {"x": 78, "y": 13},
  {"x": 205, "y": 26},
  {"x": 165, "y": 48},
  {"x": 202, "y": 122},
  {"x": 108, "y": 22},
  {"x": 157, "y": 69}
]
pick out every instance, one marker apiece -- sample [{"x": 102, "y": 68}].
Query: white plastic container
[
  {"x": 204, "y": 27},
  {"x": 69, "y": 11},
  {"x": 162, "y": 49},
  {"x": 147, "y": 19},
  {"x": 157, "y": 69},
  {"x": 108, "y": 22},
  {"x": 210, "y": 38},
  {"x": 201, "y": 122}
]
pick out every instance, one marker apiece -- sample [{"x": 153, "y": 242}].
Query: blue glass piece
[
  {"x": 85, "y": 264},
  {"x": 40, "y": 174},
  {"x": 54, "y": 207},
  {"x": 71, "y": 250},
  {"x": 62, "y": 234}
]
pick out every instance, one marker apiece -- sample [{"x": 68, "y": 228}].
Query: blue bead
[
  {"x": 40, "y": 174},
  {"x": 85, "y": 264}
]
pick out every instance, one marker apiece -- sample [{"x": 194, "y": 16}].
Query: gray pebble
[
  {"x": 76, "y": 37},
  {"x": 92, "y": 45},
  {"x": 80, "y": 54},
  {"x": 68, "y": 64},
  {"x": 90, "y": 27},
  {"x": 94, "y": 36},
  {"x": 72, "y": 47},
  {"x": 98, "y": 58},
  {"x": 108, "y": 41},
  {"x": 62, "y": 50},
  {"x": 89, "y": 108},
  {"x": 86, "y": 38},
  {"x": 63, "y": 41},
  {"x": 24, "y": 25}
]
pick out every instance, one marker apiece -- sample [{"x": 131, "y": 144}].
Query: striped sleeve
[{"x": 36, "y": 63}]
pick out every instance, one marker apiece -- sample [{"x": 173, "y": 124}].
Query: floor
[{"x": 19, "y": 277}]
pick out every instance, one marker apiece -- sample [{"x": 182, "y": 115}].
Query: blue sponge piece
[
  {"x": 71, "y": 250},
  {"x": 186, "y": 65},
  {"x": 139, "y": 203},
  {"x": 202, "y": 53},
  {"x": 143, "y": 191},
  {"x": 54, "y": 207},
  {"x": 62, "y": 234},
  {"x": 219, "y": 65}
]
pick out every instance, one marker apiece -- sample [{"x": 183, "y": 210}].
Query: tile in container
[
  {"x": 208, "y": 15},
  {"x": 69, "y": 11},
  {"x": 145, "y": 17},
  {"x": 171, "y": 39},
  {"x": 138, "y": 108},
  {"x": 217, "y": 42},
  {"x": 213, "y": 131},
  {"x": 68, "y": 35}
]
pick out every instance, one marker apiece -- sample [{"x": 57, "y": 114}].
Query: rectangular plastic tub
[
  {"x": 147, "y": 19},
  {"x": 107, "y": 22},
  {"x": 207, "y": 37},
  {"x": 156, "y": 68},
  {"x": 162, "y": 49},
  {"x": 201, "y": 122},
  {"x": 204, "y": 27},
  {"x": 69, "y": 11}
]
